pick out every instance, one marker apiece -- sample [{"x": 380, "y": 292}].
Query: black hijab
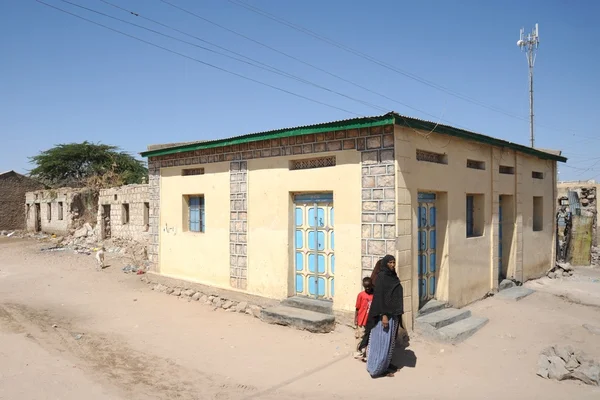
[{"x": 388, "y": 298}]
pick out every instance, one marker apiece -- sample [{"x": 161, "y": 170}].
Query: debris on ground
[
  {"x": 560, "y": 270},
  {"x": 76, "y": 336},
  {"x": 54, "y": 248},
  {"x": 506, "y": 284},
  {"x": 564, "y": 362}
]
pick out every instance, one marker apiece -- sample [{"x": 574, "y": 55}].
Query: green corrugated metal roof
[{"x": 357, "y": 123}]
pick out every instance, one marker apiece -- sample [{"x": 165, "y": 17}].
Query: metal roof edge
[
  {"x": 355, "y": 123},
  {"x": 478, "y": 137}
]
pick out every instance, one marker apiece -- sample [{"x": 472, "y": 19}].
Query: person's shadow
[{"x": 403, "y": 357}]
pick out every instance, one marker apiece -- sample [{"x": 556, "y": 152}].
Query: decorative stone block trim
[
  {"x": 378, "y": 230},
  {"x": 238, "y": 224}
]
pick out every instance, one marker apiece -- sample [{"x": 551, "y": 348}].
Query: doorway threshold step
[
  {"x": 432, "y": 306},
  {"x": 298, "y": 318},
  {"x": 514, "y": 294},
  {"x": 442, "y": 318},
  {"x": 306, "y": 303},
  {"x": 461, "y": 330}
]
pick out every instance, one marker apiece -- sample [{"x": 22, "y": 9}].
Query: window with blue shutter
[
  {"x": 470, "y": 216},
  {"x": 196, "y": 214}
]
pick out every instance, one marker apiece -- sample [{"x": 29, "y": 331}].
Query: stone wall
[
  {"x": 61, "y": 211},
  {"x": 137, "y": 198},
  {"x": 378, "y": 230},
  {"x": 378, "y": 183},
  {"x": 13, "y": 187}
]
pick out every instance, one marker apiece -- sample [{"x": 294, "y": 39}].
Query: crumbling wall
[
  {"x": 13, "y": 187},
  {"x": 580, "y": 201},
  {"x": 60, "y": 211},
  {"x": 124, "y": 212}
]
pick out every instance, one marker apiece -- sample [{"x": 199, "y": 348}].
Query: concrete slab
[
  {"x": 299, "y": 319},
  {"x": 461, "y": 330},
  {"x": 306, "y": 303},
  {"x": 515, "y": 293},
  {"x": 444, "y": 317},
  {"x": 431, "y": 307}
]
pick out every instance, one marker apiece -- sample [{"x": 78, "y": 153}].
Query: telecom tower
[{"x": 530, "y": 45}]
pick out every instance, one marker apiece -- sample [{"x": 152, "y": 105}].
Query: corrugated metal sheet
[{"x": 389, "y": 118}]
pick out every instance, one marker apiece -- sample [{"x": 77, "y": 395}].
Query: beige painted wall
[
  {"x": 204, "y": 257},
  {"x": 466, "y": 265},
  {"x": 199, "y": 257},
  {"x": 270, "y": 210},
  {"x": 537, "y": 246}
]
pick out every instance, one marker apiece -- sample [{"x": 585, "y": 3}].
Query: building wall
[
  {"x": 13, "y": 187},
  {"x": 137, "y": 198},
  {"x": 199, "y": 257},
  {"x": 243, "y": 184},
  {"x": 50, "y": 202},
  {"x": 270, "y": 211},
  {"x": 248, "y": 188},
  {"x": 468, "y": 268}
]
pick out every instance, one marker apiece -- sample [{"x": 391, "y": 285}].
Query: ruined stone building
[
  {"x": 124, "y": 212},
  {"x": 306, "y": 212},
  {"x": 13, "y": 187},
  {"x": 60, "y": 211}
]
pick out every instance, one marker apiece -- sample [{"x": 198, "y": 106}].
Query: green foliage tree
[{"x": 87, "y": 164}]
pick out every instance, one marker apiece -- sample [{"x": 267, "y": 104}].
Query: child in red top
[{"x": 363, "y": 304}]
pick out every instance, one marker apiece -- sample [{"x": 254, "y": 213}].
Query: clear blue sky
[{"x": 65, "y": 80}]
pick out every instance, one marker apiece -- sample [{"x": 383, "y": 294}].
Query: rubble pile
[
  {"x": 85, "y": 240},
  {"x": 560, "y": 270},
  {"x": 216, "y": 302},
  {"x": 564, "y": 362}
]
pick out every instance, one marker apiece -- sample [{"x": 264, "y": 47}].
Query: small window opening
[
  {"x": 475, "y": 212},
  {"x": 538, "y": 213},
  {"x": 125, "y": 214}
]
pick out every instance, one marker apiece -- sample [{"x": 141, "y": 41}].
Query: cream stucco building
[{"x": 308, "y": 211}]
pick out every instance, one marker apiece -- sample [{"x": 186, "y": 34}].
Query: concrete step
[
  {"x": 461, "y": 330},
  {"x": 432, "y": 306},
  {"x": 299, "y": 318},
  {"x": 442, "y": 318},
  {"x": 514, "y": 294},
  {"x": 306, "y": 303}
]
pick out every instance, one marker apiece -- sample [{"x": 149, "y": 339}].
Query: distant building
[
  {"x": 13, "y": 187},
  {"x": 60, "y": 211},
  {"x": 308, "y": 211},
  {"x": 124, "y": 213}
]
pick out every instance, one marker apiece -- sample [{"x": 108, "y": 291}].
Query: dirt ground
[{"x": 69, "y": 332}]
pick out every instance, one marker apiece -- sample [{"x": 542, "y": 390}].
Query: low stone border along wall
[
  {"x": 217, "y": 298},
  {"x": 228, "y": 300}
]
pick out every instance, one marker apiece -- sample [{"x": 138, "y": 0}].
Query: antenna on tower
[{"x": 530, "y": 43}]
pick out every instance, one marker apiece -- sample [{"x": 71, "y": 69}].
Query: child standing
[{"x": 363, "y": 304}]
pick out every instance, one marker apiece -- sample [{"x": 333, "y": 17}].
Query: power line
[
  {"x": 384, "y": 64},
  {"x": 197, "y": 60},
  {"x": 360, "y": 54},
  {"x": 300, "y": 60},
  {"x": 261, "y": 65}
]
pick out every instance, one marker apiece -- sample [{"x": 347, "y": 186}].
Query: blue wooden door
[
  {"x": 427, "y": 260},
  {"x": 500, "y": 239},
  {"x": 314, "y": 245}
]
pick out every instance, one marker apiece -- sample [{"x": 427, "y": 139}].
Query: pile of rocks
[
  {"x": 560, "y": 270},
  {"x": 564, "y": 362},
  {"x": 215, "y": 302}
]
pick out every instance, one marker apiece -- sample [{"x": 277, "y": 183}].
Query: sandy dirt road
[{"x": 69, "y": 332}]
